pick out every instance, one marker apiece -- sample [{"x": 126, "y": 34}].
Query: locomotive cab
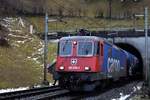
[
  {"x": 78, "y": 54},
  {"x": 79, "y": 62}
]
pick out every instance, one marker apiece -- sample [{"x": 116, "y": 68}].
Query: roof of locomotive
[
  {"x": 82, "y": 37},
  {"x": 90, "y": 38},
  {"x": 94, "y": 38}
]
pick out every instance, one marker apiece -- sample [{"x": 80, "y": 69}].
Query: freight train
[{"x": 85, "y": 62}]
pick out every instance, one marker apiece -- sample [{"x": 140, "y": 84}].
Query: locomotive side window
[
  {"x": 96, "y": 48},
  {"x": 85, "y": 48},
  {"x": 65, "y": 48},
  {"x": 102, "y": 50}
]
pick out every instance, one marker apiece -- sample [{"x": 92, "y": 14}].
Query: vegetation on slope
[
  {"x": 77, "y": 23},
  {"x": 74, "y": 8},
  {"x": 21, "y": 63},
  {"x": 16, "y": 70}
]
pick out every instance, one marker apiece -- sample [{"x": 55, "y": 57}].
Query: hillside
[
  {"x": 73, "y": 24},
  {"x": 74, "y": 8},
  {"x": 21, "y": 63}
]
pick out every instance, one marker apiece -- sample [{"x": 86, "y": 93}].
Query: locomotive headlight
[
  {"x": 61, "y": 68},
  {"x": 87, "y": 68},
  {"x": 75, "y": 42}
]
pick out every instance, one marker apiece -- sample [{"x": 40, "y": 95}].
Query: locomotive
[{"x": 85, "y": 62}]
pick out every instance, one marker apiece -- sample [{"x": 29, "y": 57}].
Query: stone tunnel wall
[{"x": 139, "y": 44}]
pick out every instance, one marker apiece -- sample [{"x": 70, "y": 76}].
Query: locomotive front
[
  {"x": 77, "y": 61},
  {"x": 77, "y": 54}
]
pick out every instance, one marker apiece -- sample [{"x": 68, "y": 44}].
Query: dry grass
[
  {"x": 77, "y": 23},
  {"x": 17, "y": 62},
  {"x": 16, "y": 70},
  {"x": 52, "y": 52}
]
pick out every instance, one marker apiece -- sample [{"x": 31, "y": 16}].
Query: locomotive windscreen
[
  {"x": 78, "y": 48},
  {"x": 65, "y": 48},
  {"x": 85, "y": 48}
]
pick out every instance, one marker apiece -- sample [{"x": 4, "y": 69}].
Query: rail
[{"x": 28, "y": 93}]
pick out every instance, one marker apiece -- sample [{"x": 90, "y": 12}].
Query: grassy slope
[
  {"x": 76, "y": 23},
  {"x": 52, "y": 52},
  {"x": 17, "y": 71},
  {"x": 17, "y": 64}
]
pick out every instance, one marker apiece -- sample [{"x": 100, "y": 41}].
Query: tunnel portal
[{"x": 131, "y": 49}]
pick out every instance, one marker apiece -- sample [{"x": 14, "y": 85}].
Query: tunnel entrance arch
[{"x": 133, "y": 50}]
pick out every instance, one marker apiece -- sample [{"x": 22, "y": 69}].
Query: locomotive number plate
[{"x": 73, "y": 67}]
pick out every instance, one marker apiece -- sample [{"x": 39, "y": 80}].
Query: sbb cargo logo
[{"x": 113, "y": 65}]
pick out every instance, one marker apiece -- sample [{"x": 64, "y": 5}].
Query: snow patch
[
  {"x": 21, "y": 88},
  {"x": 10, "y": 19},
  {"x": 21, "y": 41},
  {"x": 36, "y": 60},
  {"x": 19, "y": 31},
  {"x": 29, "y": 57},
  {"x": 13, "y": 24},
  {"x": 41, "y": 43},
  {"x": 50, "y": 84},
  {"x": 13, "y": 89},
  {"x": 35, "y": 56},
  {"x": 122, "y": 97},
  {"x": 40, "y": 51},
  {"x": 139, "y": 87},
  {"x": 17, "y": 36}
]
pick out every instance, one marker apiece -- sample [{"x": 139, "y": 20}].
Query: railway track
[
  {"x": 35, "y": 93},
  {"x": 56, "y": 93},
  {"x": 111, "y": 92}
]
